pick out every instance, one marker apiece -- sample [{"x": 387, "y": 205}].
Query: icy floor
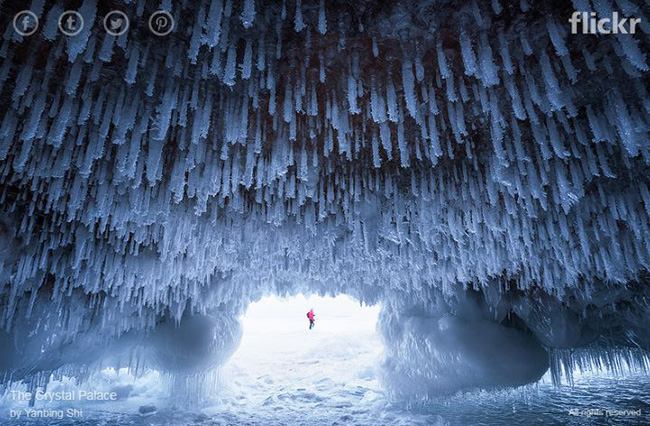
[{"x": 285, "y": 374}]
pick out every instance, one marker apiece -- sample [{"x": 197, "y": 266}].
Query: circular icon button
[
  {"x": 161, "y": 23},
  {"x": 25, "y": 22},
  {"x": 116, "y": 23},
  {"x": 71, "y": 23}
]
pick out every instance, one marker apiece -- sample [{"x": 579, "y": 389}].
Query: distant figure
[{"x": 310, "y": 315}]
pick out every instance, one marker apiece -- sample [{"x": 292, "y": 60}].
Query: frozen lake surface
[
  {"x": 546, "y": 406},
  {"x": 285, "y": 374}
]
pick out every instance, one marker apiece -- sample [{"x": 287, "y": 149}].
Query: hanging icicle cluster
[{"x": 311, "y": 141}]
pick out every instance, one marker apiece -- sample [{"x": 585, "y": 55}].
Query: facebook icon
[{"x": 25, "y": 23}]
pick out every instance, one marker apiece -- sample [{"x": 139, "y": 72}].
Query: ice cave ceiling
[{"x": 471, "y": 165}]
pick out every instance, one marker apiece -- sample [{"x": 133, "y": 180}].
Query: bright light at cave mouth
[{"x": 278, "y": 351}]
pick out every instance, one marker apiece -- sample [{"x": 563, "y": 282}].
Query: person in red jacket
[{"x": 310, "y": 315}]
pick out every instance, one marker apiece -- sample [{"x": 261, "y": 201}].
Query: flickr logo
[{"x": 592, "y": 25}]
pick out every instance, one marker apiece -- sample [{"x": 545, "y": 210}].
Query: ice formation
[{"x": 471, "y": 165}]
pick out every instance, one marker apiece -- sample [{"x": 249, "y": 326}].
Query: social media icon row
[{"x": 115, "y": 23}]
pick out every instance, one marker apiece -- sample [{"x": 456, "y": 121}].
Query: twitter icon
[{"x": 116, "y": 23}]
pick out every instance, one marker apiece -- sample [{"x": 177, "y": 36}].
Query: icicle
[
  {"x": 419, "y": 69},
  {"x": 489, "y": 71},
  {"x": 298, "y": 22},
  {"x": 505, "y": 53},
  {"x": 403, "y": 147},
  {"x": 556, "y": 37},
  {"x": 384, "y": 134},
  {"x": 73, "y": 78},
  {"x": 645, "y": 194},
  {"x": 132, "y": 66},
  {"x": 321, "y": 69},
  {"x": 524, "y": 44},
  {"x": 469, "y": 60},
  {"x": 377, "y": 104},
  {"x": 197, "y": 36},
  {"x": 436, "y": 150},
  {"x": 517, "y": 106},
  {"x": 451, "y": 90},
  {"x": 496, "y": 6},
  {"x": 352, "y": 95},
  {"x": 106, "y": 49},
  {"x": 477, "y": 13},
  {"x": 442, "y": 61},
  {"x": 409, "y": 88},
  {"x": 287, "y": 110},
  {"x": 581, "y": 5},
  {"x": 554, "y": 137},
  {"x": 231, "y": 66},
  {"x": 22, "y": 82},
  {"x": 29, "y": 129},
  {"x": 391, "y": 100},
  {"x": 552, "y": 84},
  {"x": 313, "y": 103},
  {"x": 51, "y": 28},
  {"x": 213, "y": 23},
  {"x": 77, "y": 44},
  {"x": 322, "y": 21},
  {"x": 261, "y": 55},
  {"x": 433, "y": 105},
  {"x": 632, "y": 52},
  {"x": 247, "y": 64},
  {"x": 376, "y": 159},
  {"x": 248, "y": 13}
]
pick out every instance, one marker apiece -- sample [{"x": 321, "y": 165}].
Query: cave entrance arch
[{"x": 280, "y": 359}]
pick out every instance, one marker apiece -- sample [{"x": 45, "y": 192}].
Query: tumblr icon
[{"x": 71, "y": 23}]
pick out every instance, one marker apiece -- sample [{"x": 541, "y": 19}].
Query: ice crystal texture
[{"x": 473, "y": 166}]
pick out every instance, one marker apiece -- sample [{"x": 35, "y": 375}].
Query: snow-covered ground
[
  {"x": 282, "y": 374},
  {"x": 283, "y": 371},
  {"x": 285, "y": 374}
]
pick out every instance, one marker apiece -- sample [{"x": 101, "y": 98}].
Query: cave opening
[{"x": 280, "y": 360}]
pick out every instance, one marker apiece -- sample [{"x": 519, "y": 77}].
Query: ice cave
[{"x": 473, "y": 173}]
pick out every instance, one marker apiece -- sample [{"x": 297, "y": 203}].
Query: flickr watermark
[{"x": 590, "y": 23}]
